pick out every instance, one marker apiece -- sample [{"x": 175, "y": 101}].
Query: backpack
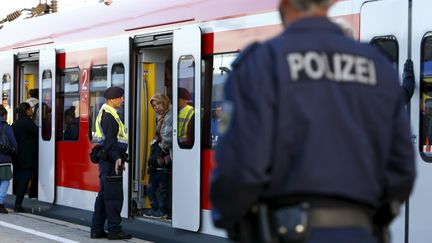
[
  {"x": 5, "y": 146},
  {"x": 94, "y": 154}
]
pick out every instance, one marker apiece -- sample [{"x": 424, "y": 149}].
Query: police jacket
[
  {"x": 110, "y": 129},
  {"x": 314, "y": 113}
]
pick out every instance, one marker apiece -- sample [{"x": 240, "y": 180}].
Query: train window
[
  {"x": 98, "y": 85},
  {"x": 69, "y": 102},
  {"x": 389, "y": 47},
  {"x": 221, "y": 69},
  {"x": 426, "y": 99},
  {"x": 186, "y": 102},
  {"x": 46, "y": 105},
  {"x": 6, "y": 96},
  {"x": 118, "y": 80}
]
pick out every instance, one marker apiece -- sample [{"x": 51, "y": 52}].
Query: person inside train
[
  {"x": 34, "y": 103},
  {"x": 8, "y": 148},
  {"x": 5, "y": 103},
  {"x": 33, "y": 99},
  {"x": 71, "y": 124},
  {"x": 186, "y": 119},
  {"x": 159, "y": 163},
  {"x": 215, "y": 122},
  {"x": 26, "y": 164}
]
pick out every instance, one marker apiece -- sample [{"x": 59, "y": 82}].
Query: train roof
[{"x": 97, "y": 20}]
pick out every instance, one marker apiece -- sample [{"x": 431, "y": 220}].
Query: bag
[
  {"x": 263, "y": 224},
  {"x": 94, "y": 154},
  {"x": 5, "y": 146}
]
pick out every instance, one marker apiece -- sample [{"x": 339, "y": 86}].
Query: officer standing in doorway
[
  {"x": 318, "y": 140},
  {"x": 110, "y": 132}
]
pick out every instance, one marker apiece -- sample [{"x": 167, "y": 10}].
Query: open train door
[
  {"x": 186, "y": 157},
  {"x": 7, "y": 62},
  {"x": 118, "y": 75},
  {"x": 47, "y": 74},
  {"x": 385, "y": 24}
]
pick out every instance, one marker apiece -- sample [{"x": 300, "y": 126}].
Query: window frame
[
  {"x": 423, "y": 155},
  {"x": 91, "y": 125},
  {"x": 61, "y": 128},
  {"x": 193, "y": 98}
]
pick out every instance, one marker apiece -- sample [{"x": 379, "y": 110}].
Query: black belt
[{"x": 329, "y": 218}]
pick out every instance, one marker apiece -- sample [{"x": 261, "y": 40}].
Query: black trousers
[
  {"x": 158, "y": 190},
  {"x": 109, "y": 200},
  {"x": 22, "y": 181}
]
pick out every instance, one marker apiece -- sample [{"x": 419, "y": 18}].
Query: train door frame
[
  {"x": 23, "y": 63},
  {"x": 186, "y": 179},
  {"x": 118, "y": 52},
  {"x": 7, "y": 66},
  {"x": 150, "y": 51},
  {"x": 393, "y": 27},
  {"x": 47, "y": 147},
  {"x": 420, "y": 199}
]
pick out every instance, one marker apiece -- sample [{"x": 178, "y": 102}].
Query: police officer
[
  {"x": 110, "y": 132},
  {"x": 317, "y": 128},
  {"x": 185, "y": 119}
]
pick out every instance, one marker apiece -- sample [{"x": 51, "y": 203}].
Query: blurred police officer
[
  {"x": 317, "y": 129},
  {"x": 110, "y": 132}
]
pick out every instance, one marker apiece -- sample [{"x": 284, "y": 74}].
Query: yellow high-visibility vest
[
  {"x": 183, "y": 122},
  {"x": 121, "y": 135}
]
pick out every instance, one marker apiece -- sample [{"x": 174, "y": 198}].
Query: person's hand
[
  {"x": 118, "y": 165},
  {"x": 408, "y": 72}
]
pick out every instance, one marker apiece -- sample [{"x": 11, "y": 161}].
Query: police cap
[
  {"x": 184, "y": 94},
  {"x": 113, "y": 92}
]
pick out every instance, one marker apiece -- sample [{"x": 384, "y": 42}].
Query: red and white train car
[
  {"x": 144, "y": 47},
  {"x": 155, "y": 46}
]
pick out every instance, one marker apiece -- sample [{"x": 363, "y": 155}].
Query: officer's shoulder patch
[{"x": 244, "y": 53}]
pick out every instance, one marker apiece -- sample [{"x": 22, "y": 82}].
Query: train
[{"x": 149, "y": 47}]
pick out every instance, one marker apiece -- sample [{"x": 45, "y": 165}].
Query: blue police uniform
[
  {"x": 315, "y": 114},
  {"x": 109, "y": 200}
]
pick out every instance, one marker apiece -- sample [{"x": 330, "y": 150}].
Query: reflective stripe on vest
[
  {"x": 121, "y": 134},
  {"x": 183, "y": 121}
]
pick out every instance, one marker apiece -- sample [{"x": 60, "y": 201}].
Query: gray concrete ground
[{"x": 23, "y": 227}]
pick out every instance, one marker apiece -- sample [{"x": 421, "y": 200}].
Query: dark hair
[
  {"x": 22, "y": 108},
  {"x": 34, "y": 93},
  {"x": 3, "y": 111}
]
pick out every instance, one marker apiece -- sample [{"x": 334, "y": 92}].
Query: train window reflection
[
  {"x": 221, "y": 69},
  {"x": 186, "y": 102},
  {"x": 68, "y": 102},
  {"x": 6, "y": 96},
  {"x": 426, "y": 99},
  {"x": 118, "y": 80},
  {"x": 46, "y": 112},
  {"x": 389, "y": 47},
  {"x": 98, "y": 85}
]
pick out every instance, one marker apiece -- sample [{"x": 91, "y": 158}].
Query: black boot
[
  {"x": 119, "y": 236},
  {"x": 3, "y": 209},
  {"x": 98, "y": 235}
]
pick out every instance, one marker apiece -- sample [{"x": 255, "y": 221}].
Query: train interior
[
  {"x": 26, "y": 83},
  {"x": 153, "y": 70}
]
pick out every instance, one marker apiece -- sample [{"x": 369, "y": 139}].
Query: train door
[
  {"x": 421, "y": 121},
  {"x": 47, "y": 111},
  {"x": 26, "y": 90},
  {"x": 385, "y": 25},
  {"x": 118, "y": 75},
  {"x": 186, "y": 138},
  {"x": 153, "y": 62},
  {"x": 7, "y": 61}
]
